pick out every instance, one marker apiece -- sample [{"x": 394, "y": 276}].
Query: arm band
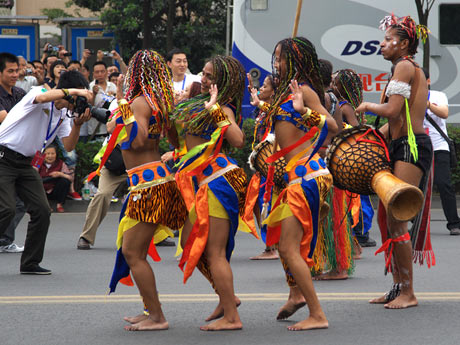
[
  {"x": 126, "y": 112},
  {"x": 312, "y": 118},
  {"x": 219, "y": 116},
  {"x": 264, "y": 106}
]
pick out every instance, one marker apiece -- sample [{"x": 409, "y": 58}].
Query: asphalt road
[{"x": 71, "y": 305}]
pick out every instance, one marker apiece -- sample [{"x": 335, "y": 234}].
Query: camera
[
  {"x": 100, "y": 114},
  {"x": 29, "y": 71},
  {"x": 52, "y": 48},
  {"x": 108, "y": 54}
]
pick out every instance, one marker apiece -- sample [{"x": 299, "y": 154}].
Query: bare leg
[
  {"x": 289, "y": 249},
  {"x": 295, "y": 301},
  {"x": 402, "y": 252},
  {"x": 135, "y": 246},
  {"x": 222, "y": 276}
]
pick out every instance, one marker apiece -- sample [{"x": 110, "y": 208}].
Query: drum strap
[{"x": 408, "y": 104}]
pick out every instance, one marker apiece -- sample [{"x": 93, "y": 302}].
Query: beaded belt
[
  {"x": 314, "y": 168},
  {"x": 217, "y": 167},
  {"x": 148, "y": 175}
]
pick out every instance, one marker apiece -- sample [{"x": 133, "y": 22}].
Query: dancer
[
  {"x": 217, "y": 195},
  {"x": 256, "y": 188},
  {"x": 154, "y": 202},
  {"x": 410, "y": 151},
  {"x": 300, "y": 131}
]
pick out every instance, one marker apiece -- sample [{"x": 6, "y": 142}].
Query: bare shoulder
[
  {"x": 404, "y": 71},
  {"x": 140, "y": 106},
  {"x": 228, "y": 111}
]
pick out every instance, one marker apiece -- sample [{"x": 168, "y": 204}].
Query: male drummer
[{"x": 410, "y": 148}]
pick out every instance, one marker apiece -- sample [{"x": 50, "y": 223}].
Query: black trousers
[
  {"x": 8, "y": 237},
  {"x": 18, "y": 176},
  {"x": 60, "y": 189},
  {"x": 442, "y": 180}
]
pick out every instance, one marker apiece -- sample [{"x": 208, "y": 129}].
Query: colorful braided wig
[
  {"x": 301, "y": 64},
  {"x": 349, "y": 86},
  {"x": 229, "y": 76},
  {"x": 148, "y": 75},
  {"x": 406, "y": 29}
]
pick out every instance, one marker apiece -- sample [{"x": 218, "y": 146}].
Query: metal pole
[
  {"x": 227, "y": 33},
  {"x": 297, "y": 17}
]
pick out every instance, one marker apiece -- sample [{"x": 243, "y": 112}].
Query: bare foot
[
  {"x": 135, "y": 319},
  {"x": 266, "y": 255},
  {"x": 310, "y": 323},
  {"x": 379, "y": 300},
  {"x": 389, "y": 296},
  {"x": 148, "y": 325},
  {"x": 223, "y": 325},
  {"x": 290, "y": 308},
  {"x": 219, "y": 311},
  {"x": 332, "y": 275},
  {"x": 403, "y": 301}
]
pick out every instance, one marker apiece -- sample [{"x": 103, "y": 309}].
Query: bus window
[{"x": 448, "y": 23}]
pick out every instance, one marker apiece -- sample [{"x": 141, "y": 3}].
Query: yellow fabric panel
[{"x": 278, "y": 214}]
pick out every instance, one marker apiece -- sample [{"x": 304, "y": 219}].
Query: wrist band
[
  {"x": 66, "y": 92},
  {"x": 312, "y": 118},
  {"x": 264, "y": 106},
  {"x": 126, "y": 112},
  {"x": 219, "y": 116}
]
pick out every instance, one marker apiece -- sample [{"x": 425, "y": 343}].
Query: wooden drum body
[{"x": 358, "y": 161}]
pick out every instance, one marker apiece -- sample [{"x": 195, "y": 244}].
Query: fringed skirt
[
  {"x": 304, "y": 198},
  {"x": 220, "y": 191},
  {"x": 153, "y": 198}
]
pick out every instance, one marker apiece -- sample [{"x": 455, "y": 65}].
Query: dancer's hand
[
  {"x": 297, "y": 102},
  {"x": 213, "y": 99},
  {"x": 362, "y": 108},
  {"x": 255, "y": 101}
]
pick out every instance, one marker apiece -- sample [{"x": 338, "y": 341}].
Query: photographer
[
  {"x": 30, "y": 126},
  {"x": 26, "y": 78},
  {"x": 104, "y": 92}
]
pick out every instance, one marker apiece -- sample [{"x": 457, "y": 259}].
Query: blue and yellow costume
[
  {"x": 212, "y": 185},
  {"x": 153, "y": 198},
  {"x": 308, "y": 180}
]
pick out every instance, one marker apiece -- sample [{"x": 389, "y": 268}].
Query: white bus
[{"x": 346, "y": 33}]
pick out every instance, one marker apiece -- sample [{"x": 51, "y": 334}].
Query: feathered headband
[{"x": 407, "y": 24}]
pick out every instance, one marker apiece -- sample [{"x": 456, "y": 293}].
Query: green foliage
[
  {"x": 198, "y": 26},
  {"x": 54, "y": 13},
  {"x": 454, "y": 134},
  {"x": 85, "y": 164}
]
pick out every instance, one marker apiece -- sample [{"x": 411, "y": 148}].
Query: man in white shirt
[
  {"x": 104, "y": 92},
  {"x": 30, "y": 126},
  {"x": 438, "y": 110},
  {"x": 25, "y": 81},
  {"x": 177, "y": 62}
]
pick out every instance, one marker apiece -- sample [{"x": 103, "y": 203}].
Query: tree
[
  {"x": 196, "y": 26},
  {"x": 423, "y": 10}
]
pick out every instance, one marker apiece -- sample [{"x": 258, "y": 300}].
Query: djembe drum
[
  {"x": 257, "y": 162},
  {"x": 358, "y": 161}
]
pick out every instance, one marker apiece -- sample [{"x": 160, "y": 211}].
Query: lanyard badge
[{"x": 39, "y": 157}]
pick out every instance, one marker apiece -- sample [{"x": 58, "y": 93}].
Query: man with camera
[
  {"x": 30, "y": 126},
  {"x": 26, "y": 78},
  {"x": 104, "y": 92}
]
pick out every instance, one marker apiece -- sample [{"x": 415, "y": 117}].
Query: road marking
[{"x": 200, "y": 298}]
